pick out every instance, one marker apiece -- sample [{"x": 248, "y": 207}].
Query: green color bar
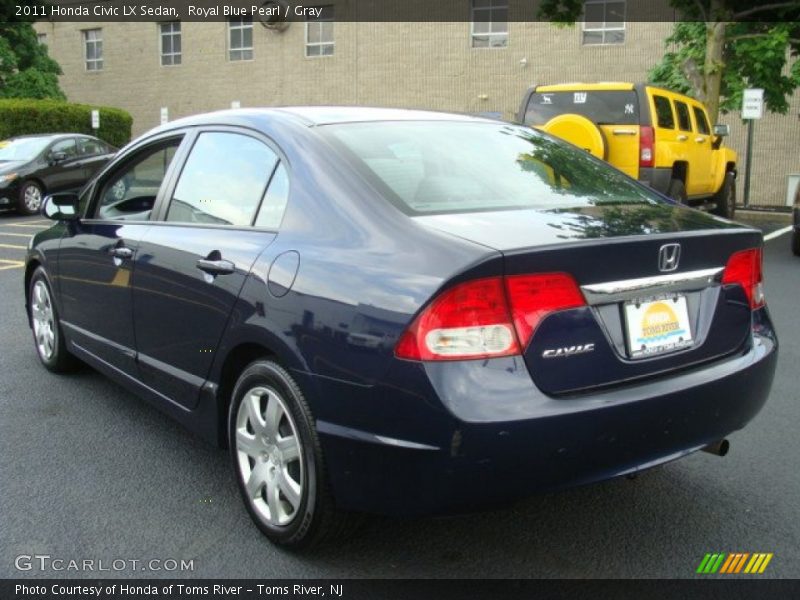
[
  {"x": 701, "y": 568},
  {"x": 718, "y": 564}
]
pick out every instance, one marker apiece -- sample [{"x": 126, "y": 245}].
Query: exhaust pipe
[{"x": 720, "y": 448}]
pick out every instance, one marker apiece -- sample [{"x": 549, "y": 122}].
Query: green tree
[
  {"x": 26, "y": 70},
  {"x": 721, "y": 48}
]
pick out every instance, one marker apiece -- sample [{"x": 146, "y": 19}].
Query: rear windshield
[
  {"x": 447, "y": 167},
  {"x": 611, "y": 108}
]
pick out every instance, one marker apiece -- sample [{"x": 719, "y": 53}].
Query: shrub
[{"x": 26, "y": 116}]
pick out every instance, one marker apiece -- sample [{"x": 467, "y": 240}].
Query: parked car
[
  {"x": 796, "y": 221},
  {"x": 402, "y": 312},
  {"x": 32, "y": 166},
  {"x": 658, "y": 136}
]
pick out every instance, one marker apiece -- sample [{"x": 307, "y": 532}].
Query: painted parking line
[
  {"x": 25, "y": 235},
  {"x": 13, "y": 247},
  {"x": 25, "y": 225},
  {"x": 10, "y": 264},
  {"x": 778, "y": 233}
]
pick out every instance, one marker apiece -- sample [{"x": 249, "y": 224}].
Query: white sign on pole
[
  {"x": 236, "y": 104},
  {"x": 95, "y": 119},
  {"x": 753, "y": 103},
  {"x": 164, "y": 115}
]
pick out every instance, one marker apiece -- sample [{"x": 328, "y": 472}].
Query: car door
[
  {"x": 688, "y": 146},
  {"x": 63, "y": 169},
  {"x": 703, "y": 152},
  {"x": 98, "y": 251},
  {"x": 93, "y": 154},
  {"x": 193, "y": 261}
]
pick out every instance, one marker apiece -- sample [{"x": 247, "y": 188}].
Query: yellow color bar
[{"x": 765, "y": 563}]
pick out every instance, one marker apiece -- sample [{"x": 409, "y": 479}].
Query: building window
[
  {"x": 240, "y": 39},
  {"x": 489, "y": 23},
  {"x": 603, "y": 22},
  {"x": 319, "y": 33},
  {"x": 93, "y": 49},
  {"x": 170, "y": 34},
  {"x": 41, "y": 38}
]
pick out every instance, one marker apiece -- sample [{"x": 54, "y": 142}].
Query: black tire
[
  {"x": 316, "y": 518},
  {"x": 796, "y": 242},
  {"x": 27, "y": 191},
  {"x": 677, "y": 191},
  {"x": 59, "y": 360},
  {"x": 726, "y": 198}
]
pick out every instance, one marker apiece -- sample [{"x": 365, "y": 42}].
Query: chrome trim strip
[{"x": 628, "y": 289}]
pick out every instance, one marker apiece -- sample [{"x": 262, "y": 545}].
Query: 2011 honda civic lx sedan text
[{"x": 402, "y": 312}]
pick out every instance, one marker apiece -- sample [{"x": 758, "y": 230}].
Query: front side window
[
  {"x": 65, "y": 147},
  {"x": 701, "y": 120},
  {"x": 489, "y": 23},
  {"x": 664, "y": 116},
  {"x": 170, "y": 34},
  {"x": 451, "y": 167},
  {"x": 319, "y": 33},
  {"x": 603, "y": 22},
  {"x": 223, "y": 180},
  {"x": 93, "y": 49},
  {"x": 131, "y": 191},
  {"x": 240, "y": 39},
  {"x": 684, "y": 122}
]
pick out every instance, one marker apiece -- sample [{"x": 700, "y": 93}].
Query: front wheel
[
  {"x": 47, "y": 335},
  {"x": 31, "y": 195},
  {"x": 726, "y": 198},
  {"x": 278, "y": 459}
]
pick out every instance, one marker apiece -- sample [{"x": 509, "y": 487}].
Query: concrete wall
[{"x": 423, "y": 65}]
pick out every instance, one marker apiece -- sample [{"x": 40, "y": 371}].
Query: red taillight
[
  {"x": 744, "y": 268},
  {"x": 486, "y": 318},
  {"x": 533, "y": 297},
  {"x": 646, "y": 146}
]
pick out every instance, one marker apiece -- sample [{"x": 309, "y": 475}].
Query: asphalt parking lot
[{"x": 87, "y": 471}]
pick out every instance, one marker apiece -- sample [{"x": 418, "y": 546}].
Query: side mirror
[
  {"x": 722, "y": 130},
  {"x": 57, "y": 157},
  {"x": 61, "y": 207}
]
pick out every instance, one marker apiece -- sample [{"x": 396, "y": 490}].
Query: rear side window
[
  {"x": 272, "y": 208},
  {"x": 223, "y": 180},
  {"x": 702, "y": 122},
  {"x": 664, "y": 116},
  {"x": 453, "y": 167},
  {"x": 89, "y": 147},
  {"x": 604, "y": 107},
  {"x": 684, "y": 122}
]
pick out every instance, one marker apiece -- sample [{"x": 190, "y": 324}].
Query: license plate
[{"x": 657, "y": 326}]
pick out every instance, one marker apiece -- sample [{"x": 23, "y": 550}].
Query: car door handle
[
  {"x": 216, "y": 267},
  {"x": 682, "y": 138},
  {"x": 624, "y": 132},
  {"x": 121, "y": 252},
  {"x": 699, "y": 140}
]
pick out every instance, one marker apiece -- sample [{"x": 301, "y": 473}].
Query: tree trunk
[{"x": 712, "y": 70}]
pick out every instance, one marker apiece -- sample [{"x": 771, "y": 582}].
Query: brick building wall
[{"x": 421, "y": 65}]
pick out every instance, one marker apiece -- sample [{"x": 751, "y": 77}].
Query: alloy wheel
[
  {"x": 43, "y": 320},
  {"x": 32, "y": 197},
  {"x": 269, "y": 456}
]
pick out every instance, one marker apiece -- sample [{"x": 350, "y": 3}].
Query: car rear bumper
[
  {"x": 490, "y": 436},
  {"x": 656, "y": 178}
]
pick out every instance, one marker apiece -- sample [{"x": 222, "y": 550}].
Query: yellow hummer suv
[{"x": 659, "y": 137}]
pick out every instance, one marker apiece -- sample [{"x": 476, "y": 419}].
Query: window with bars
[
  {"x": 319, "y": 33},
  {"x": 170, "y": 34},
  {"x": 603, "y": 22},
  {"x": 93, "y": 49},
  {"x": 240, "y": 39},
  {"x": 489, "y": 23}
]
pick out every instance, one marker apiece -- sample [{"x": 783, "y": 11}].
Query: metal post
[{"x": 749, "y": 162}]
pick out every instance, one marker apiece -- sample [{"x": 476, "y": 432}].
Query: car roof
[
  {"x": 312, "y": 116},
  {"x": 50, "y": 136}
]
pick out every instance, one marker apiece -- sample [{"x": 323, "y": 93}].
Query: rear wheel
[
  {"x": 677, "y": 191},
  {"x": 31, "y": 195},
  {"x": 796, "y": 242},
  {"x": 726, "y": 198},
  {"x": 278, "y": 459},
  {"x": 47, "y": 335}
]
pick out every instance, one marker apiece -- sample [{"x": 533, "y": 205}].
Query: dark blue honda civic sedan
[{"x": 402, "y": 312}]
